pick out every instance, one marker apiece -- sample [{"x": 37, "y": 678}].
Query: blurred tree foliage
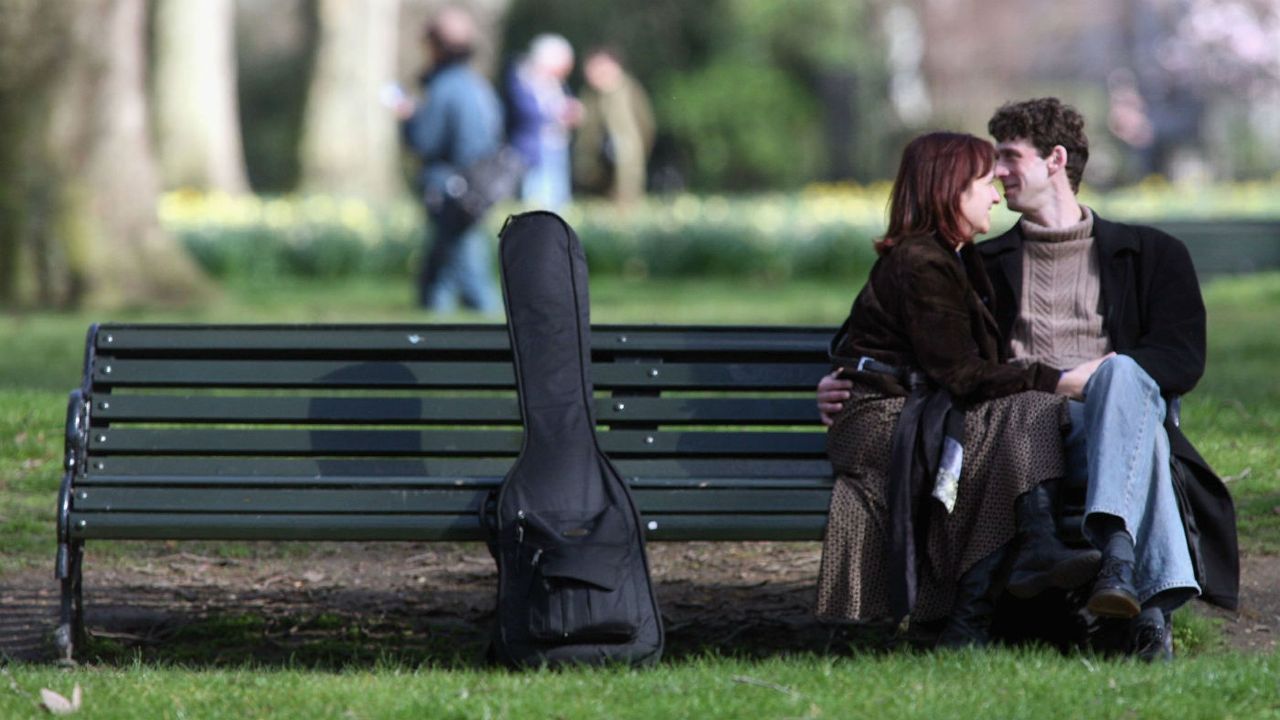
[
  {"x": 658, "y": 37},
  {"x": 749, "y": 93},
  {"x": 742, "y": 125}
]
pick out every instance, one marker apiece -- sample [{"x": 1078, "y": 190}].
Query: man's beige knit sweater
[{"x": 1059, "y": 320}]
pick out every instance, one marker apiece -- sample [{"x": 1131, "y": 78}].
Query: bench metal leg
[
  {"x": 67, "y": 563},
  {"x": 70, "y": 631}
]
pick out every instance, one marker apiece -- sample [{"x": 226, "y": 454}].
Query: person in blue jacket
[{"x": 459, "y": 122}]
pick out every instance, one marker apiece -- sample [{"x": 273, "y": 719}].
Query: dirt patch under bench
[{"x": 335, "y": 604}]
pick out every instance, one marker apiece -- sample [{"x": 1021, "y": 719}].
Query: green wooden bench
[{"x": 399, "y": 432}]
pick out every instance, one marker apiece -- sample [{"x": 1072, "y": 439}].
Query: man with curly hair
[{"x": 1071, "y": 287}]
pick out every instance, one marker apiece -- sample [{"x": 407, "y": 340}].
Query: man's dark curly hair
[{"x": 1045, "y": 122}]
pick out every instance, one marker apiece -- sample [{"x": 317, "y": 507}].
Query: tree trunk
[
  {"x": 197, "y": 118},
  {"x": 349, "y": 143},
  {"x": 32, "y": 35},
  {"x": 85, "y": 185}
]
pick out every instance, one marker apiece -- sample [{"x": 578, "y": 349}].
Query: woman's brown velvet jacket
[{"x": 924, "y": 306}]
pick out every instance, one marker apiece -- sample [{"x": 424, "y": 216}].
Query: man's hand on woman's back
[{"x": 833, "y": 390}]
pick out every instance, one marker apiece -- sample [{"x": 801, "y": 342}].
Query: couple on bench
[{"x": 973, "y": 383}]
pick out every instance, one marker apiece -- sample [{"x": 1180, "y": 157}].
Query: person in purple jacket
[{"x": 541, "y": 114}]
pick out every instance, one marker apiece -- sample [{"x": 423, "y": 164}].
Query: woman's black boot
[
  {"x": 1043, "y": 561},
  {"x": 970, "y": 621}
]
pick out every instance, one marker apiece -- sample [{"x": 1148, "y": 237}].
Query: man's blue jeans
[
  {"x": 457, "y": 267},
  {"x": 1118, "y": 441}
]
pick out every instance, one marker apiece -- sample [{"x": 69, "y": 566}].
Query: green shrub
[
  {"x": 308, "y": 237},
  {"x": 769, "y": 237},
  {"x": 754, "y": 126},
  {"x": 766, "y": 237},
  {"x": 822, "y": 232}
]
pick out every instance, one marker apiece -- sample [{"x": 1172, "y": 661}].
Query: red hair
[{"x": 935, "y": 171}]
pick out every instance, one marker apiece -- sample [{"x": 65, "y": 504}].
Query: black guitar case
[{"x": 573, "y": 578}]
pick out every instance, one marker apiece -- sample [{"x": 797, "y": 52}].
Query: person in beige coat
[{"x": 611, "y": 152}]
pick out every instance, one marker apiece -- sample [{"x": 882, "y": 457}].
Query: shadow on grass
[
  {"x": 352, "y": 629},
  {"x": 368, "y": 630},
  {"x": 436, "y": 608}
]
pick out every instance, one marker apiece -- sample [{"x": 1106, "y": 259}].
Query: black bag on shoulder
[
  {"x": 469, "y": 193},
  {"x": 573, "y": 577}
]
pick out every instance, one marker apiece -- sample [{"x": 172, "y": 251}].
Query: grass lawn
[
  {"x": 985, "y": 684},
  {"x": 1233, "y": 418}
]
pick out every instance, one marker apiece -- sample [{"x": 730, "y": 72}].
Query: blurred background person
[
  {"x": 611, "y": 153},
  {"x": 458, "y": 124},
  {"x": 540, "y": 115}
]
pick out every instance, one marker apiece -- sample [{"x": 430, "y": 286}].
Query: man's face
[
  {"x": 602, "y": 72},
  {"x": 1024, "y": 175}
]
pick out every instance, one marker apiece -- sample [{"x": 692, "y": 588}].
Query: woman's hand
[
  {"x": 832, "y": 392},
  {"x": 1073, "y": 381}
]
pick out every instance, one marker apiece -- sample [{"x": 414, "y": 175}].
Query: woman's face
[{"x": 976, "y": 203}]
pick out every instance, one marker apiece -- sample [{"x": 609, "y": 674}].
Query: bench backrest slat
[
  {"x": 115, "y": 373},
  {"x": 417, "y": 409},
  {"x": 230, "y": 469},
  {"x": 388, "y": 340},
  {"x": 435, "y": 501},
  {"x": 420, "y": 528},
  {"x": 440, "y": 442}
]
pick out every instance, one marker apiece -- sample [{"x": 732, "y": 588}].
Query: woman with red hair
[{"x": 941, "y": 439}]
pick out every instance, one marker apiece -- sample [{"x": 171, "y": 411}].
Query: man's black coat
[{"x": 1152, "y": 312}]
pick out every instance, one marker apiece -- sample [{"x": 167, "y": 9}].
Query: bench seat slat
[
  {"x": 454, "y": 410},
  {"x": 139, "y": 469},
  {"x": 797, "y": 482},
  {"x": 229, "y": 340},
  {"x": 446, "y": 442},
  {"x": 197, "y": 526},
  {"x": 425, "y": 502},
  {"x": 120, "y": 372}
]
